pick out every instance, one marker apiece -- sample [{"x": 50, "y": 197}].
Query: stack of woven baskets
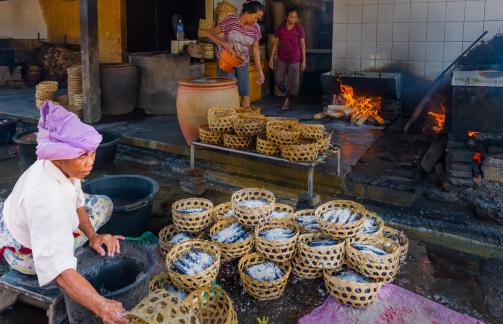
[
  {"x": 75, "y": 98},
  {"x": 45, "y": 90},
  {"x": 242, "y": 129},
  {"x": 223, "y": 10},
  {"x": 294, "y": 254}
]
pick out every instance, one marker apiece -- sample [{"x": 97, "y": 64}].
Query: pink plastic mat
[{"x": 395, "y": 305}]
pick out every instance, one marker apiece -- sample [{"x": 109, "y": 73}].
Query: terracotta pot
[
  {"x": 196, "y": 96},
  {"x": 227, "y": 61}
]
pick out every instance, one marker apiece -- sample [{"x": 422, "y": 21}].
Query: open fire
[{"x": 435, "y": 118}]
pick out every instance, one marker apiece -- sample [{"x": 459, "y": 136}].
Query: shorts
[{"x": 239, "y": 73}]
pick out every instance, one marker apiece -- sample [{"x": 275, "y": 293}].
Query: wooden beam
[{"x": 90, "y": 60}]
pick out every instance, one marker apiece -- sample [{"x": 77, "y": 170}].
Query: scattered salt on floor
[
  {"x": 255, "y": 203},
  {"x": 180, "y": 237},
  {"x": 191, "y": 210},
  {"x": 233, "y": 233},
  {"x": 266, "y": 271},
  {"x": 351, "y": 275},
  {"x": 277, "y": 234},
  {"x": 370, "y": 249},
  {"x": 277, "y": 214},
  {"x": 370, "y": 225},
  {"x": 193, "y": 262}
]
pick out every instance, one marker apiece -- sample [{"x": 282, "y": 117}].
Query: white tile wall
[
  {"x": 21, "y": 20},
  {"x": 422, "y": 35}
]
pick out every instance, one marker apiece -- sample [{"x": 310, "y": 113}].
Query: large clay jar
[
  {"x": 120, "y": 84},
  {"x": 196, "y": 96}
]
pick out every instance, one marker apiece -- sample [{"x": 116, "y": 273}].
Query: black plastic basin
[
  {"x": 7, "y": 129},
  {"x": 105, "y": 154},
  {"x": 27, "y": 148}
]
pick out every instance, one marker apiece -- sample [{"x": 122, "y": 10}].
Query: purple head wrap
[{"x": 62, "y": 136}]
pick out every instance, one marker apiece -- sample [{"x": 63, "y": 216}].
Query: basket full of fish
[
  {"x": 262, "y": 278},
  {"x": 232, "y": 238},
  {"x": 306, "y": 219},
  {"x": 373, "y": 226},
  {"x": 170, "y": 235},
  {"x": 193, "y": 264},
  {"x": 320, "y": 251},
  {"x": 253, "y": 206},
  {"x": 192, "y": 214},
  {"x": 277, "y": 240},
  {"x": 341, "y": 219}
]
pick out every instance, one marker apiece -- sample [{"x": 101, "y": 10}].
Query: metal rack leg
[
  {"x": 339, "y": 162},
  {"x": 192, "y": 157},
  {"x": 310, "y": 182}
]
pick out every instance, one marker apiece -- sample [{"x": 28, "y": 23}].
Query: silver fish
[
  {"x": 369, "y": 249},
  {"x": 266, "y": 271},
  {"x": 351, "y": 275},
  {"x": 277, "y": 234},
  {"x": 325, "y": 242},
  {"x": 191, "y": 210}
]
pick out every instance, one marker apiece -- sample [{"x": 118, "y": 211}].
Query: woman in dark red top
[{"x": 291, "y": 48}]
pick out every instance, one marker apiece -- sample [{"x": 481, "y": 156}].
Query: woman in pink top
[{"x": 291, "y": 49}]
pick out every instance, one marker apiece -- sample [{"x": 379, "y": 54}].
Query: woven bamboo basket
[
  {"x": 225, "y": 7},
  {"x": 324, "y": 143},
  {"x": 304, "y": 271},
  {"x": 380, "y": 268},
  {"x": 221, "y": 119},
  {"x": 212, "y": 305},
  {"x": 222, "y": 16},
  {"x": 252, "y": 110},
  {"x": 166, "y": 233},
  {"x": 305, "y": 212},
  {"x": 209, "y": 137},
  {"x": 362, "y": 236},
  {"x": 219, "y": 212},
  {"x": 283, "y": 208},
  {"x": 312, "y": 131},
  {"x": 194, "y": 222},
  {"x": 282, "y": 134},
  {"x": 249, "y": 125},
  {"x": 45, "y": 94},
  {"x": 62, "y": 100},
  {"x": 248, "y": 216},
  {"x": 262, "y": 290},
  {"x": 207, "y": 51},
  {"x": 340, "y": 231},
  {"x": 277, "y": 251},
  {"x": 323, "y": 257},
  {"x": 160, "y": 307},
  {"x": 205, "y": 26},
  {"x": 160, "y": 281},
  {"x": 350, "y": 293},
  {"x": 393, "y": 234},
  {"x": 239, "y": 142},
  {"x": 204, "y": 278},
  {"x": 231, "y": 251},
  {"x": 74, "y": 71},
  {"x": 303, "y": 152},
  {"x": 265, "y": 147},
  {"x": 282, "y": 121},
  {"x": 49, "y": 86}
]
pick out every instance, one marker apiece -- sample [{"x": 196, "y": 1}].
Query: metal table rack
[{"x": 309, "y": 165}]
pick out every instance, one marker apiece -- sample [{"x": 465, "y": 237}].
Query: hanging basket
[
  {"x": 231, "y": 251},
  {"x": 239, "y": 142},
  {"x": 397, "y": 235},
  {"x": 340, "y": 231},
  {"x": 380, "y": 268},
  {"x": 302, "y": 213},
  {"x": 280, "y": 250},
  {"x": 212, "y": 305},
  {"x": 380, "y": 225},
  {"x": 266, "y": 147},
  {"x": 249, "y": 125},
  {"x": 304, "y": 152},
  {"x": 304, "y": 271},
  {"x": 166, "y": 234},
  {"x": 323, "y": 257},
  {"x": 221, "y": 212},
  {"x": 193, "y": 222},
  {"x": 350, "y": 293},
  {"x": 262, "y": 290},
  {"x": 189, "y": 282},
  {"x": 221, "y": 119},
  {"x": 312, "y": 131},
  {"x": 284, "y": 209},
  {"x": 252, "y": 216},
  {"x": 209, "y": 137},
  {"x": 282, "y": 133},
  {"x": 161, "y": 307}
]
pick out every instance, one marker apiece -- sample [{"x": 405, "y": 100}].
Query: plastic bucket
[
  {"x": 105, "y": 154},
  {"x": 7, "y": 129},
  {"x": 27, "y": 148}
]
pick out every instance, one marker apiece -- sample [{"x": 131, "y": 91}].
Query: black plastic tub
[
  {"x": 105, "y": 154},
  {"x": 124, "y": 278},
  {"x": 27, "y": 147},
  {"x": 7, "y": 129},
  {"x": 132, "y": 196}
]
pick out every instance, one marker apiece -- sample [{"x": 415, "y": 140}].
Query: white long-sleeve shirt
[{"x": 41, "y": 214}]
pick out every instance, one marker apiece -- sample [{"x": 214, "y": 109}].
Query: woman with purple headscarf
[{"x": 47, "y": 215}]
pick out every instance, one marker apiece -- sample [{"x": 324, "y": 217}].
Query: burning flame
[
  {"x": 438, "y": 117},
  {"x": 477, "y": 157},
  {"x": 472, "y": 133},
  {"x": 362, "y": 107}
]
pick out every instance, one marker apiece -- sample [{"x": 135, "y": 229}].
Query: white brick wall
[
  {"x": 21, "y": 19},
  {"x": 422, "y": 35}
]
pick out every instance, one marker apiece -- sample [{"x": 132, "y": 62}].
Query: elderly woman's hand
[
  {"x": 112, "y": 312},
  {"x": 111, "y": 242}
]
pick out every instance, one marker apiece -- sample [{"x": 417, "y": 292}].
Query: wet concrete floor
[{"x": 467, "y": 283}]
